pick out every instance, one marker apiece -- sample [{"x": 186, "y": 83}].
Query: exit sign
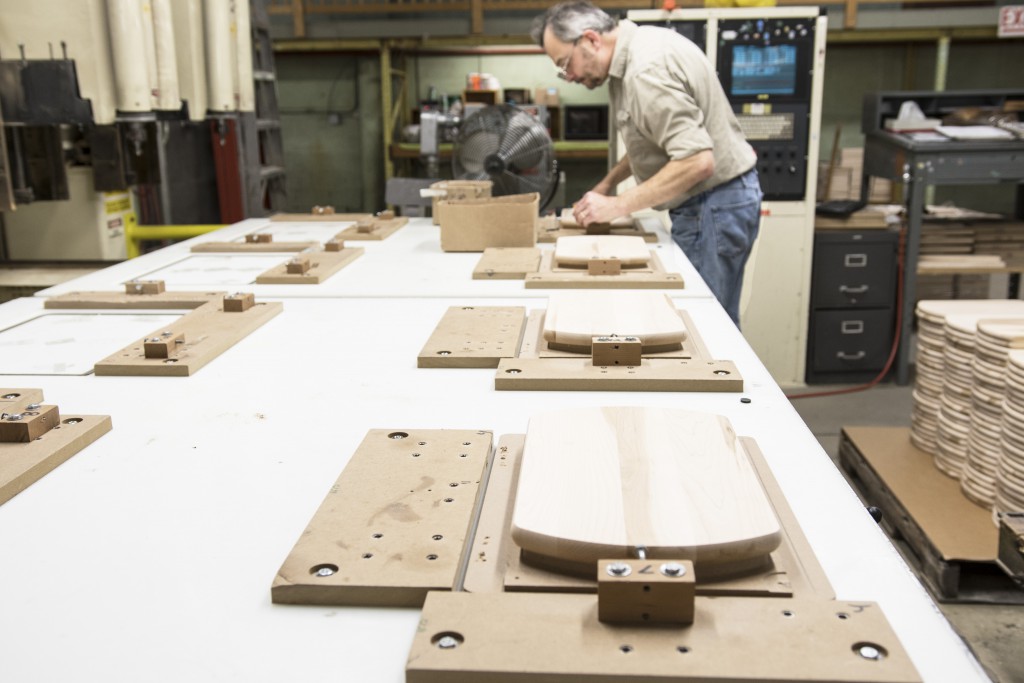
[{"x": 1011, "y": 21}]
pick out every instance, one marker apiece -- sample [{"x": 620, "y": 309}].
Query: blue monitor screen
[{"x": 763, "y": 69}]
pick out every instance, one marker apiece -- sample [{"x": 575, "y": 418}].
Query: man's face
[{"x": 579, "y": 61}]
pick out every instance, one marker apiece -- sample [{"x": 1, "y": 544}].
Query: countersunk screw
[
  {"x": 324, "y": 571},
  {"x": 447, "y": 642},
  {"x": 33, "y": 406},
  {"x": 618, "y": 569},
  {"x": 13, "y": 417},
  {"x": 869, "y": 652},
  {"x": 672, "y": 569}
]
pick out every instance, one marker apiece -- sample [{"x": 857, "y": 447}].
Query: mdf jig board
[
  {"x": 373, "y": 228},
  {"x": 492, "y": 636},
  {"x": 322, "y": 265},
  {"x": 652, "y": 275},
  {"x": 503, "y": 337},
  {"x": 396, "y": 523},
  {"x": 68, "y": 342},
  {"x": 23, "y": 464},
  {"x": 496, "y": 563},
  {"x": 206, "y": 332},
  {"x": 280, "y": 236},
  {"x": 598, "y": 483}
]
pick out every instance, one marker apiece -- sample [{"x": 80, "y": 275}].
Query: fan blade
[
  {"x": 475, "y": 149},
  {"x": 525, "y": 143}
]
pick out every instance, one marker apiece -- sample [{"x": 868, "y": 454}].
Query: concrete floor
[{"x": 994, "y": 632}]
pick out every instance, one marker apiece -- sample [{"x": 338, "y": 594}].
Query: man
[{"x": 683, "y": 143}]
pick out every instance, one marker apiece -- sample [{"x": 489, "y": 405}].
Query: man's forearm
[{"x": 675, "y": 178}]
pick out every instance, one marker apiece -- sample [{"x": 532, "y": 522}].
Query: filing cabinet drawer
[
  {"x": 851, "y": 339},
  {"x": 854, "y": 272}
]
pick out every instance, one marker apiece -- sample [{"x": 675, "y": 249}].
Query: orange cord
[{"x": 900, "y": 254}]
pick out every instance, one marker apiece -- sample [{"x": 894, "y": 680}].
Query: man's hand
[{"x": 597, "y": 208}]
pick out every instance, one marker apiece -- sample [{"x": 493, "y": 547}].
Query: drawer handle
[
  {"x": 855, "y": 260},
  {"x": 842, "y": 355},
  {"x": 851, "y": 327},
  {"x": 853, "y": 290}
]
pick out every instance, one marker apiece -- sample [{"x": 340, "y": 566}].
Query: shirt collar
[{"x": 620, "y": 57}]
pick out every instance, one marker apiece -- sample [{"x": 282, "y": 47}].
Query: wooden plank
[
  {"x": 23, "y": 464},
  {"x": 575, "y": 318},
  {"x": 556, "y": 638},
  {"x": 600, "y": 483},
  {"x": 651, "y": 276},
  {"x": 474, "y": 337},
  {"x": 323, "y": 264},
  {"x": 577, "y": 251},
  {"x": 495, "y": 561},
  {"x": 507, "y": 263},
  {"x": 394, "y": 525}
]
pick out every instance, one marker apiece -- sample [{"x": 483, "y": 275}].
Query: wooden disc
[{"x": 597, "y": 483}]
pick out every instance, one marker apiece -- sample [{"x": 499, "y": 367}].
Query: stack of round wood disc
[
  {"x": 955, "y": 404},
  {"x": 924, "y": 417},
  {"x": 933, "y": 380},
  {"x": 1010, "y": 481},
  {"x": 993, "y": 342}
]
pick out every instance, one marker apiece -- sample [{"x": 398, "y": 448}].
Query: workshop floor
[{"x": 994, "y": 632}]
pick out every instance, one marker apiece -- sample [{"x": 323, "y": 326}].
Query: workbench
[
  {"x": 918, "y": 164},
  {"x": 150, "y": 554}
]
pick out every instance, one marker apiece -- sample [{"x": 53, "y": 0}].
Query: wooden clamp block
[
  {"x": 323, "y": 210},
  {"x": 365, "y": 226},
  {"x": 297, "y": 266},
  {"x": 144, "y": 287},
  {"x": 1011, "y": 545},
  {"x": 604, "y": 266},
  {"x": 334, "y": 245},
  {"x": 164, "y": 346},
  {"x": 257, "y": 238},
  {"x": 386, "y": 215},
  {"x": 645, "y": 591},
  {"x": 28, "y": 425},
  {"x": 616, "y": 350},
  {"x": 239, "y": 303}
]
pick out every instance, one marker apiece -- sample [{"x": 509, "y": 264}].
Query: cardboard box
[
  {"x": 456, "y": 190},
  {"x": 548, "y": 96},
  {"x": 476, "y": 224}
]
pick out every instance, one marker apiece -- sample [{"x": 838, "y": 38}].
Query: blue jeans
[{"x": 716, "y": 230}]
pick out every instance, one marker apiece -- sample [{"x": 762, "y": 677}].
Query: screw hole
[
  {"x": 398, "y": 435},
  {"x": 625, "y": 649},
  {"x": 431, "y": 556},
  {"x": 323, "y": 570},
  {"x": 682, "y": 649}
]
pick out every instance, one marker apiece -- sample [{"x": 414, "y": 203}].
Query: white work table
[
  {"x": 150, "y": 554},
  {"x": 408, "y": 263}
]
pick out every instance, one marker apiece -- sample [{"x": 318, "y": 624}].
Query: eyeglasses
[{"x": 563, "y": 65}]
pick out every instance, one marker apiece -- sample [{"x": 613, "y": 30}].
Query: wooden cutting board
[
  {"x": 574, "y": 318},
  {"x": 569, "y": 221},
  {"x": 596, "y": 483},
  {"x": 578, "y": 250}
]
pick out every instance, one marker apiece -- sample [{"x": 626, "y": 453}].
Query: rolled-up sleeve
[{"x": 669, "y": 115}]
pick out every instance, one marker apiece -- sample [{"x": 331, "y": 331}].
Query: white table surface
[
  {"x": 409, "y": 263},
  {"x": 149, "y": 555}
]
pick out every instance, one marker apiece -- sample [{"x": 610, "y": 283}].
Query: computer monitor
[{"x": 763, "y": 70}]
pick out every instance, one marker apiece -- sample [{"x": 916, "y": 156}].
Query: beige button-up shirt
[{"x": 669, "y": 104}]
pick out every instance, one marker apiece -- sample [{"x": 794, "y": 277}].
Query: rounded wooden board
[
  {"x": 574, "y": 318},
  {"x": 578, "y": 250},
  {"x": 597, "y": 483}
]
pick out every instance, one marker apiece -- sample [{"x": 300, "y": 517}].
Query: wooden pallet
[{"x": 950, "y": 541}]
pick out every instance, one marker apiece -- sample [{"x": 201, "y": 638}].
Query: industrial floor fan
[{"x": 510, "y": 147}]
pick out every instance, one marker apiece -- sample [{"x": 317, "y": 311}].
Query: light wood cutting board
[
  {"x": 596, "y": 483},
  {"x": 574, "y": 318},
  {"x": 569, "y": 221},
  {"x": 578, "y": 250}
]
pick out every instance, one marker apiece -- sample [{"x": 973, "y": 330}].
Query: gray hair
[{"x": 569, "y": 19}]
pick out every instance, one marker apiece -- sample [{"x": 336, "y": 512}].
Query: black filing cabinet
[{"x": 853, "y": 305}]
